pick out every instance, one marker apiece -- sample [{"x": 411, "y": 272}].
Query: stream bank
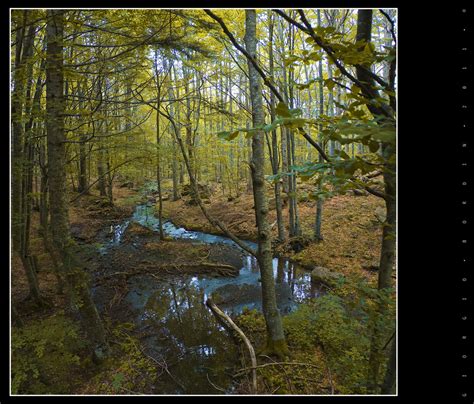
[{"x": 160, "y": 287}]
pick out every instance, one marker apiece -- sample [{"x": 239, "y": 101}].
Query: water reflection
[
  {"x": 179, "y": 327},
  {"x": 185, "y": 329}
]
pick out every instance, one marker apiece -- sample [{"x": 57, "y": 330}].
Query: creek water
[{"x": 180, "y": 330}]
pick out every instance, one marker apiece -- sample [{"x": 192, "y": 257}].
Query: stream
[{"x": 179, "y": 330}]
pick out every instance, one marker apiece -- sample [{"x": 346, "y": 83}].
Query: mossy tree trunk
[{"x": 72, "y": 271}]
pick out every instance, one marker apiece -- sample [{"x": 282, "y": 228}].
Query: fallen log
[
  {"x": 221, "y": 269},
  {"x": 224, "y": 317}
]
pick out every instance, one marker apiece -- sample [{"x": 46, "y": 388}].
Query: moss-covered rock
[{"x": 324, "y": 275}]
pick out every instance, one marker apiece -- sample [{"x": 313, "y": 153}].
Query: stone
[
  {"x": 324, "y": 275},
  {"x": 381, "y": 214}
]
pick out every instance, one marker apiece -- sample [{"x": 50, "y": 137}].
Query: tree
[
  {"x": 73, "y": 273},
  {"x": 275, "y": 154},
  {"x": 387, "y": 257},
  {"x": 276, "y": 342}
]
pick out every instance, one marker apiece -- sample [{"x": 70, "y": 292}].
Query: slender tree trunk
[
  {"x": 174, "y": 163},
  {"x": 158, "y": 173},
  {"x": 319, "y": 203},
  {"x": 23, "y": 106},
  {"x": 24, "y": 48},
  {"x": 275, "y": 154},
  {"x": 158, "y": 149},
  {"x": 110, "y": 179},
  {"x": 294, "y": 227},
  {"x": 283, "y": 130},
  {"x": 82, "y": 180},
  {"x": 275, "y": 337},
  {"x": 101, "y": 170}
]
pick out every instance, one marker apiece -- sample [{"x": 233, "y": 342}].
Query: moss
[{"x": 278, "y": 348}]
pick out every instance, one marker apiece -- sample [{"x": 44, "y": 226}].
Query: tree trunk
[
  {"x": 75, "y": 276},
  {"x": 275, "y": 154},
  {"x": 82, "y": 180},
  {"x": 158, "y": 149},
  {"x": 387, "y": 256},
  {"x": 319, "y": 203},
  {"x": 24, "y": 49},
  {"x": 388, "y": 386},
  {"x": 275, "y": 337}
]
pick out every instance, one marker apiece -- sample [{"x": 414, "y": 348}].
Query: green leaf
[
  {"x": 388, "y": 136},
  {"x": 283, "y": 110},
  {"x": 343, "y": 154},
  {"x": 329, "y": 84},
  {"x": 117, "y": 381},
  {"x": 315, "y": 56},
  {"x": 273, "y": 125},
  {"x": 296, "y": 112},
  {"x": 226, "y": 135},
  {"x": 294, "y": 122},
  {"x": 290, "y": 60}
]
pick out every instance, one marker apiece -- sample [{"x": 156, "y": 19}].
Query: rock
[
  {"x": 324, "y": 275},
  {"x": 381, "y": 214}
]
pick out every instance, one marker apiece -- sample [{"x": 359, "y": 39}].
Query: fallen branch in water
[
  {"x": 213, "y": 385},
  {"x": 221, "y": 269},
  {"x": 222, "y": 316}
]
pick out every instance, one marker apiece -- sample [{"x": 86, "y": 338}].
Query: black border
[{"x": 430, "y": 248}]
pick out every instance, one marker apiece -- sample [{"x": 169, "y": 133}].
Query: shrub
[{"x": 44, "y": 353}]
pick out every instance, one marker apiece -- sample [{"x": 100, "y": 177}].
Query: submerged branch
[{"x": 222, "y": 316}]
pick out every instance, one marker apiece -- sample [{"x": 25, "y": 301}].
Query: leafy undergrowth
[
  {"x": 329, "y": 343},
  {"x": 127, "y": 370},
  {"x": 48, "y": 351},
  {"x": 46, "y": 356}
]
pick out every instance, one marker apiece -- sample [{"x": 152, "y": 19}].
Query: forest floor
[
  {"x": 351, "y": 228},
  {"x": 91, "y": 220},
  {"x": 351, "y": 245}
]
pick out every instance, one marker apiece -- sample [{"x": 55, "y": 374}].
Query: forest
[{"x": 203, "y": 201}]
